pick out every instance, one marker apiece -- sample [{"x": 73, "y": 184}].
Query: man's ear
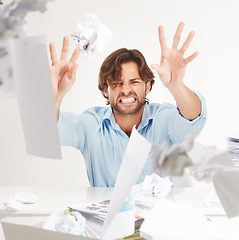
[
  {"x": 105, "y": 92},
  {"x": 148, "y": 87}
]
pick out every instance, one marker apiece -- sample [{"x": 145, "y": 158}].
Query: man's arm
[
  {"x": 63, "y": 72},
  {"x": 172, "y": 70}
]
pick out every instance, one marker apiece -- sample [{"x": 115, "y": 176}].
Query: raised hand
[
  {"x": 173, "y": 64},
  {"x": 63, "y": 72}
]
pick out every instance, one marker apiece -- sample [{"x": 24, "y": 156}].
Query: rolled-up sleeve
[
  {"x": 179, "y": 127},
  {"x": 71, "y": 130}
]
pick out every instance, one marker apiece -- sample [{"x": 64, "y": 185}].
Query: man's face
[{"x": 127, "y": 95}]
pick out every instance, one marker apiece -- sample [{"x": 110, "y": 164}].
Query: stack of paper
[
  {"x": 95, "y": 214},
  {"x": 233, "y": 148},
  {"x": 114, "y": 219}
]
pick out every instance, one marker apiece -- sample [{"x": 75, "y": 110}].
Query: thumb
[{"x": 157, "y": 68}]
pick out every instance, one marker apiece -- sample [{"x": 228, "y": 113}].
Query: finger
[
  {"x": 157, "y": 68},
  {"x": 186, "y": 44},
  {"x": 162, "y": 40},
  {"x": 72, "y": 72},
  {"x": 63, "y": 71},
  {"x": 75, "y": 56},
  {"x": 177, "y": 35},
  {"x": 65, "y": 47},
  {"x": 52, "y": 49},
  {"x": 191, "y": 58}
]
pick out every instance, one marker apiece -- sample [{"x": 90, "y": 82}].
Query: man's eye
[
  {"x": 117, "y": 84},
  {"x": 135, "y": 81}
]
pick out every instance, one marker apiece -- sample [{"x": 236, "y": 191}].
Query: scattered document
[
  {"x": 174, "y": 160},
  {"x": 92, "y": 36},
  {"x": 211, "y": 200},
  {"x": 181, "y": 221},
  {"x": 96, "y": 212},
  {"x": 116, "y": 218},
  {"x": 67, "y": 221},
  {"x": 226, "y": 185},
  {"x": 233, "y": 148},
  {"x": 207, "y": 161},
  {"x": 205, "y": 164},
  {"x": 24, "y": 72},
  {"x": 154, "y": 186},
  {"x": 35, "y": 96},
  {"x": 211, "y": 165},
  {"x": 12, "y": 15},
  {"x": 19, "y": 200},
  {"x": 13, "y": 25},
  {"x": 134, "y": 159}
]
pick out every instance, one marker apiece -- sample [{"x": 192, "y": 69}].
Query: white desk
[{"x": 52, "y": 199}]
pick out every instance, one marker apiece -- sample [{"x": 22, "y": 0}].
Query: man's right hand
[{"x": 63, "y": 72}]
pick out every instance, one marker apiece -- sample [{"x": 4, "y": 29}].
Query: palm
[
  {"x": 173, "y": 64},
  {"x": 61, "y": 81}
]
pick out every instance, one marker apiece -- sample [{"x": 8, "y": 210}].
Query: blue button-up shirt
[{"x": 102, "y": 142}]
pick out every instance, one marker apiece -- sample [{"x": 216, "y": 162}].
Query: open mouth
[{"x": 127, "y": 100}]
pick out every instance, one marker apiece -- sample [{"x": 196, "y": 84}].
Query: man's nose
[{"x": 126, "y": 87}]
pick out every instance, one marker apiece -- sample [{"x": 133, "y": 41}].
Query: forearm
[
  {"x": 58, "y": 101},
  {"x": 187, "y": 101}
]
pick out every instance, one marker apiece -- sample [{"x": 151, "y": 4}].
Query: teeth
[{"x": 127, "y": 100}]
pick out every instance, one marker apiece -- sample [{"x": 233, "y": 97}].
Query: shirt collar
[
  {"x": 110, "y": 116},
  {"x": 146, "y": 118}
]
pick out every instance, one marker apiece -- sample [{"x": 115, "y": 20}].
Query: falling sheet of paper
[
  {"x": 35, "y": 96},
  {"x": 226, "y": 186},
  {"x": 132, "y": 164}
]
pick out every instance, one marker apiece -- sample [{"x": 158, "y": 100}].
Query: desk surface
[
  {"x": 53, "y": 199},
  {"x": 50, "y": 199}
]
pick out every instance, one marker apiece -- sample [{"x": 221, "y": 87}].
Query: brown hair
[{"x": 111, "y": 67}]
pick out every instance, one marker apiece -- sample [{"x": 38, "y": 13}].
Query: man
[{"x": 102, "y": 133}]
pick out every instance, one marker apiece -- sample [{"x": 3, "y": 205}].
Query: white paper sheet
[
  {"x": 181, "y": 221},
  {"x": 35, "y": 96},
  {"x": 226, "y": 185},
  {"x": 132, "y": 164}
]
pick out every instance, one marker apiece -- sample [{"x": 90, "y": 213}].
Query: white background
[{"x": 214, "y": 73}]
